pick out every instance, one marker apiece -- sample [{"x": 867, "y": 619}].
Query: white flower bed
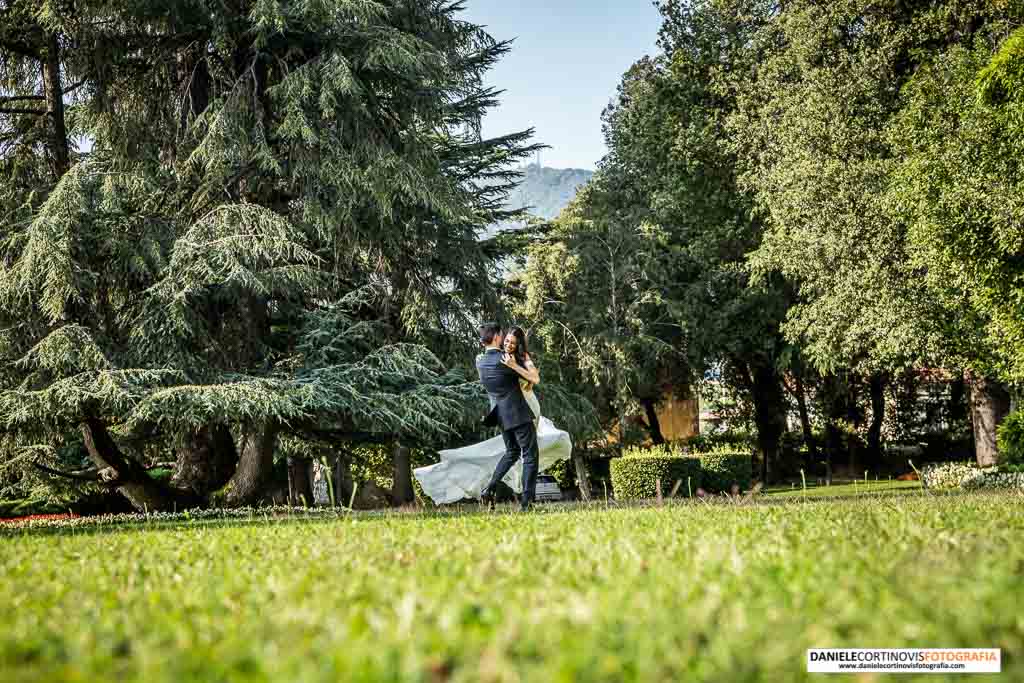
[
  {"x": 995, "y": 479},
  {"x": 956, "y": 475},
  {"x": 245, "y": 513}
]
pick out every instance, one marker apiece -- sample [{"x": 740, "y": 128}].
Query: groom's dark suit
[{"x": 510, "y": 409}]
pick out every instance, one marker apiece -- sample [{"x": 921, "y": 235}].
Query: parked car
[{"x": 548, "y": 489}]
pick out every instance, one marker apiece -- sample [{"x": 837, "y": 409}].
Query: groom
[{"x": 509, "y": 409}]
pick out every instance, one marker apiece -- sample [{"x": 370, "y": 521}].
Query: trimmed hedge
[
  {"x": 722, "y": 469},
  {"x": 636, "y": 475}
]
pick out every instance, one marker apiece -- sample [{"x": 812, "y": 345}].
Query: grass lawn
[
  {"x": 694, "y": 591},
  {"x": 857, "y": 488}
]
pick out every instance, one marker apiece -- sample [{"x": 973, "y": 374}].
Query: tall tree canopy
[
  {"x": 669, "y": 163},
  {"x": 835, "y": 155},
  {"x": 592, "y": 291},
  {"x": 278, "y": 198}
]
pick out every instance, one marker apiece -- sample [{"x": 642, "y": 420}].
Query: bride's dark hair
[{"x": 521, "y": 349}]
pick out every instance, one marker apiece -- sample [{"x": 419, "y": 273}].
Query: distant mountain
[{"x": 546, "y": 191}]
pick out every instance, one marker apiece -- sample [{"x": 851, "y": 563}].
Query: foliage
[
  {"x": 564, "y": 472},
  {"x": 596, "y": 314},
  {"x": 21, "y": 508},
  {"x": 571, "y": 411},
  {"x": 637, "y": 472},
  {"x": 847, "y": 135},
  {"x": 723, "y": 467},
  {"x": 277, "y": 218},
  {"x": 1002, "y": 79},
  {"x": 959, "y": 188},
  {"x": 435, "y": 597},
  {"x": 709, "y": 441},
  {"x": 725, "y": 459},
  {"x": 669, "y": 156},
  {"x": 1011, "y": 439}
]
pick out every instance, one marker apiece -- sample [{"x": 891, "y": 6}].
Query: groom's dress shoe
[{"x": 487, "y": 498}]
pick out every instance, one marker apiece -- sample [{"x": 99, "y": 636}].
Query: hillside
[{"x": 546, "y": 191}]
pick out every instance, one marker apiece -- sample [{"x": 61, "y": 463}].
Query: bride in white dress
[{"x": 464, "y": 472}]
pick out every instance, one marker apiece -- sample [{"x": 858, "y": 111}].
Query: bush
[
  {"x": 723, "y": 468},
  {"x": 994, "y": 479},
  {"x": 635, "y": 475},
  {"x": 947, "y": 475},
  {"x": 955, "y": 475},
  {"x": 1010, "y": 439},
  {"x": 22, "y": 508},
  {"x": 564, "y": 472}
]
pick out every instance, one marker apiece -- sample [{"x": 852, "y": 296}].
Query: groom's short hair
[{"x": 488, "y": 331}]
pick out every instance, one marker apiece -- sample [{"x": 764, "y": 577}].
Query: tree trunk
[
  {"x": 805, "y": 424},
  {"x": 343, "y": 483},
  {"x": 620, "y": 407},
  {"x": 769, "y": 414},
  {"x": 957, "y": 408},
  {"x": 855, "y": 418},
  {"x": 258, "y": 325},
  {"x": 205, "y": 461},
  {"x": 990, "y": 403},
  {"x": 255, "y": 466},
  {"x": 582, "y": 476},
  {"x": 877, "y": 385},
  {"x": 835, "y": 396},
  {"x": 653, "y": 424},
  {"x": 300, "y": 489},
  {"x": 133, "y": 482},
  {"x": 54, "y": 93},
  {"x": 194, "y": 77},
  {"x": 401, "y": 482}
]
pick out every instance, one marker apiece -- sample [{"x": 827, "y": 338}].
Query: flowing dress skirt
[{"x": 464, "y": 472}]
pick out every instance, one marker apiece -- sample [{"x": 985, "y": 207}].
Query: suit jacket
[{"x": 508, "y": 405}]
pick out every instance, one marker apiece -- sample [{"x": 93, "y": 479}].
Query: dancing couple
[{"x": 528, "y": 444}]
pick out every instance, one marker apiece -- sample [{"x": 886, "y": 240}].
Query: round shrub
[
  {"x": 636, "y": 474},
  {"x": 722, "y": 469},
  {"x": 1010, "y": 439}
]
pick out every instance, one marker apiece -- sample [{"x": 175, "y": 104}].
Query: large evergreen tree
[{"x": 279, "y": 198}]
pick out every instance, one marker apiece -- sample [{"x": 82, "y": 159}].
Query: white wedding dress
[{"x": 464, "y": 472}]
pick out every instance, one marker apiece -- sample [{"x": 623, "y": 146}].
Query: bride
[{"x": 464, "y": 472}]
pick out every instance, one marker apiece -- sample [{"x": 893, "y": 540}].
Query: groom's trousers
[{"x": 520, "y": 441}]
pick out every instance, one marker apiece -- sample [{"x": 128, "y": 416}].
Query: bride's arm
[
  {"x": 532, "y": 373},
  {"x": 529, "y": 373}
]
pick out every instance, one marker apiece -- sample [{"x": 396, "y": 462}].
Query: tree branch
[
  {"x": 18, "y": 98},
  {"x": 36, "y": 112},
  {"x": 84, "y": 475}
]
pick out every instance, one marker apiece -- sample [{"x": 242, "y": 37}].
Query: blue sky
[{"x": 565, "y": 63}]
